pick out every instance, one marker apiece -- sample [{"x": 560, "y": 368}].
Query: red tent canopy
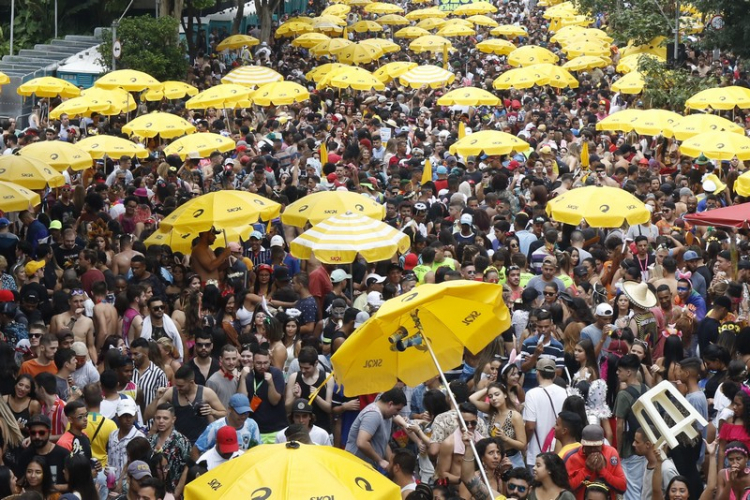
[{"x": 734, "y": 216}]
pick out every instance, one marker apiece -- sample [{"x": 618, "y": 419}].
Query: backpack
[{"x": 632, "y": 423}]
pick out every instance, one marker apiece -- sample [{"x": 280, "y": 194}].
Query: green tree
[
  {"x": 637, "y": 20},
  {"x": 667, "y": 88},
  {"x": 734, "y": 36},
  {"x": 149, "y": 45}
]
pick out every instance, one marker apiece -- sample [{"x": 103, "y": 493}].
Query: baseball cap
[
  {"x": 592, "y": 435},
  {"x": 226, "y": 440},
  {"x": 79, "y": 348},
  {"x": 39, "y": 419},
  {"x": 375, "y": 299},
  {"x": 540, "y": 219},
  {"x": 240, "y": 403},
  {"x": 301, "y": 406},
  {"x": 139, "y": 469},
  {"x": 257, "y": 235},
  {"x": 281, "y": 274},
  {"x": 546, "y": 365},
  {"x": 7, "y": 296},
  {"x": 277, "y": 241},
  {"x": 411, "y": 261},
  {"x": 4, "y": 222},
  {"x": 339, "y": 275},
  {"x": 374, "y": 278},
  {"x": 691, "y": 255},
  {"x": 30, "y": 297},
  {"x": 362, "y": 316},
  {"x": 580, "y": 271},
  {"x": 743, "y": 264},
  {"x": 603, "y": 309},
  {"x": 441, "y": 170},
  {"x": 34, "y": 266},
  {"x": 467, "y": 219},
  {"x": 127, "y": 407}
]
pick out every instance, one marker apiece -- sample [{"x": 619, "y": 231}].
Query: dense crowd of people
[{"x": 129, "y": 371}]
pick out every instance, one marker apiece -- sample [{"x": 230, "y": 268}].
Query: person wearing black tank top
[
  {"x": 21, "y": 402},
  {"x": 303, "y": 383}
]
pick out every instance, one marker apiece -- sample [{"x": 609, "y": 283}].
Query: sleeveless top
[
  {"x": 289, "y": 358},
  {"x": 507, "y": 428},
  {"x": 188, "y": 422},
  {"x": 22, "y": 417},
  {"x": 127, "y": 320},
  {"x": 322, "y": 419}
]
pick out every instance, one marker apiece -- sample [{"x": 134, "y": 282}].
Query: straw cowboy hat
[{"x": 639, "y": 294}]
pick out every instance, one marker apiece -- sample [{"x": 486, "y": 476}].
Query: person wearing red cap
[{"x": 226, "y": 448}]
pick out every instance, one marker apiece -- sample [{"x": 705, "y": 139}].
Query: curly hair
[{"x": 556, "y": 469}]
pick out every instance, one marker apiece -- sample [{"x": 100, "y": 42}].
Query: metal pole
[
  {"x": 114, "y": 39},
  {"x": 12, "y": 22},
  {"x": 676, "y": 30},
  {"x": 55, "y": 18}
]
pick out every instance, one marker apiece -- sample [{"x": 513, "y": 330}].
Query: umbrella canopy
[
  {"x": 202, "y": 144},
  {"x": 225, "y": 95},
  {"x": 489, "y": 142},
  {"x": 388, "y": 72},
  {"x": 430, "y": 43},
  {"x": 631, "y": 63},
  {"x": 237, "y": 42},
  {"x": 29, "y": 172},
  {"x": 509, "y": 30},
  {"x": 330, "y": 47},
  {"x": 456, "y": 30},
  {"x": 481, "y": 20},
  {"x": 470, "y": 9},
  {"x": 599, "y": 207},
  {"x": 58, "y": 154},
  {"x": 632, "y": 83},
  {"x": 221, "y": 209},
  {"x": 352, "y": 78},
  {"x": 411, "y": 32},
  {"x": 48, "y": 86},
  {"x": 99, "y": 146},
  {"x": 366, "y": 27},
  {"x": 529, "y": 55},
  {"x": 383, "y": 8},
  {"x": 583, "y": 63},
  {"x": 14, "y": 198},
  {"x": 358, "y": 53},
  {"x": 252, "y": 76},
  {"x": 733, "y": 216},
  {"x": 292, "y": 28},
  {"x": 182, "y": 241},
  {"x": 538, "y": 74},
  {"x": 317, "y": 207},
  {"x": 280, "y": 93},
  {"x": 496, "y": 46},
  {"x": 455, "y": 314},
  {"x": 387, "y": 46},
  {"x": 128, "y": 79},
  {"x": 431, "y": 23},
  {"x": 469, "y": 96},
  {"x": 170, "y": 90},
  {"x": 310, "y": 40},
  {"x": 392, "y": 20},
  {"x": 4, "y": 79},
  {"x": 117, "y": 100},
  {"x": 587, "y": 49},
  {"x": 433, "y": 76},
  {"x": 340, "y": 238},
  {"x": 339, "y": 10},
  {"x": 648, "y": 122},
  {"x": 78, "y": 106},
  {"x": 418, "y": 14},
  {"x": 742, "y": 185},
  {"x": 320, "y": 72},
  {"x": 692, "y": 125},
  {"x": 655, "y": 47},
  {"x": 720, "y": 98},
  {"x": 165, "y": 125},
  {"x": 717, "y": 146},
  {"x": 291, "y": 471}
]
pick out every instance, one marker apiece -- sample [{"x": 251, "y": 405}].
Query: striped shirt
[
  {"x": 552, "y": 350},
  {"x": 148, "y": 381},
  {"x": 56, "y": 414}
]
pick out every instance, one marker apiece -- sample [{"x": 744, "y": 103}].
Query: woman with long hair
[
  {"x": 38, "y": 477},
  {"x": 276, "y": 347},
  {"x": 79, "y": 478},
  {"x": 22, "y": 401},
  {"x": 8, "y": 485},
  {"x": 260, "y": 288},
  {"x": 622, "y": 311},
  {"x": 259, "y": 324},
  {"x": 179, "y": 280},
  {"x": 226, "y": 317},
  {"x": 586, "y": 358},
  {"x": 111, "y": 342},
  {"x": 11, "y": 437},
  {"x": 738, "y": 427},
  {"x": 165, "y": 355},
  {"x": 486, "y": 372},
  {"x": 664, "y": 368},
  {"x": 490, "y": 453},
  {"x": 290, "y": 327},
  {"x": 511, "y": 377},
  {"x": 434, "y": 403},
  {"x": 641, "y": 349},
  {"x": 505, "y": 424},
  {"x": 550, "y": 479}
]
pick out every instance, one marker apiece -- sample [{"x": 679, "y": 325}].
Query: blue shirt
[
  {"x": 247, "y": 436},
  {"x": 36, "y": 233}
]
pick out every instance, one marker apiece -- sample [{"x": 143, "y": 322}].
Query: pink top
[{"x": 733, "y": 432}]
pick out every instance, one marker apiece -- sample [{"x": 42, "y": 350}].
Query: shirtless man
[
  {"x": 450, "y": 455},
  {"x": 121, "y": 262},
  {"x": 204, "y": 262},
  {"x": 105, "y": 314},
  {"x": 669, "y": 266},
  {"x": 73, "y": 319}
]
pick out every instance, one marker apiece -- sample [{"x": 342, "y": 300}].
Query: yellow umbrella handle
[{"x": 317, "y": 391}]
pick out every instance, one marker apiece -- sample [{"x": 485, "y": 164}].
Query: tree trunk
[
  {"x": 238, "y": 17},
  {"x": 189, "y": 35},
  {"x": 264, "y": 10}
]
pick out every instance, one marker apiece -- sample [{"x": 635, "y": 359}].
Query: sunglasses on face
[
  {"x": 203, "y": 345},
  {"x": 35, "y": 335},
  {"x": 517, "y": 487},
  {"x": 471, "y": 424},
  {"x": 157, "y": 308},
  {"x": 549, "y": 294}
]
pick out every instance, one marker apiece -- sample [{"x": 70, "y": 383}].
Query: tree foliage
[
  {"x": 667, "y": 88},
  {"x": 637, "y": 20},
  {"x": 149, "y": 45},
  {"x": 735, "y": 36}
]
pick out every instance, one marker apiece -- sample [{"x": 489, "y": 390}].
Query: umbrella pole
[{"x": 418, "y": 324}]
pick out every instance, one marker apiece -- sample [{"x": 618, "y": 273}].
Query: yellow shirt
[{"x": 99, "y": 442}]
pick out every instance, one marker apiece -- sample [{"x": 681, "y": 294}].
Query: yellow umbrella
[
  {"x": 432, "y": 76},
  {"x": 497, "y": 46},
  {"x": 221, "y": 209},
  {"x": 165, "y": 125},
  {"x": 128, "y": 79},
  {"x": 648, "y": 122},
  {"x": 58, "y": 154},
  {"x": 274, "y": 472},
  {"x": 320, "y": 72},
  {"x": 456, "y": 30},
  {"x": 431, "y": 23},
  {"x": 519, "y": 78},
  {"x": 14, "y": 198},
  {"x": 117, "y": 100},
  {"x": 723, "y": 98},
  {"x": 742, "y": 185},
  {"x": 237, "y": 42},
  {"x": 182, "y": 241},
  {"x": 280, "y": 93},
  {"x": 357, "y": 3},
  {"x": 78, "y": 106},
  {"x": 48, "y": 86},
  {"x": 336, "y": 10},
  {"x": 418, "y": 14},
  {"x": 317, "y": 207},
  {"x": 339, "y": 239},
  {"x": 469, "y": 96},
  {"x": 576, "y": 21},
  {"x": 29, "y": 172},
  {"x": 252, "y": 76},
  {"x": 481, "y": 20},
  {"x": 599, "y": 207},
  {"x": 411, "y": 32},
  {"x": 358, "y": 53},
  {"x": 385, "y": 45},
  {"x": 430, "y": 43},
  {"x": 202, "y": 144},
  {"x": 557, "y": 76},
  {"x": 655, "y": 47},
  {"x": 225, "y": 95},
  {"x": 470, "y": 9},
  {"x": 383, "y": 8},
  {"x": 99, "y": 146},
  {"x": 692, "y": 125},
  {"x": 632, "y": 83},
  {"x": 4, "y": 79},
  {"x": 531, "y": 54},
  {"x": 717, "y": 146},
  {"x": 170, "y": 90},
  {"x": 293, "y": 28},
  {"x": 392, "y": 70},
  {"x": 309, "y": 40},
  {"x": 509, "y": 30},
  {"x": 422, "y": 1},
  {"x": 352, "y": 78},
  {"x": 566, "y": 31},
  {"x": 586, "y": 49},
  {"x": 489, "y": 142},
  {"x": 366, "y": 27},
  {"x": 583, "y": 63},
  {"x": 392, "y": 20},
  {"x": 299, "y": 19},
  {"x": 330, "y": 47},
  {"x": 631, "y": 63}
]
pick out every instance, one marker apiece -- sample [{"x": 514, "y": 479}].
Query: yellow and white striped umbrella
[
  {"x": 432, "y": 76},
  {"x": 340, "y": 238},
  {"x": 252, "y": 76},
  {"x": 165, "y": 125}
]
